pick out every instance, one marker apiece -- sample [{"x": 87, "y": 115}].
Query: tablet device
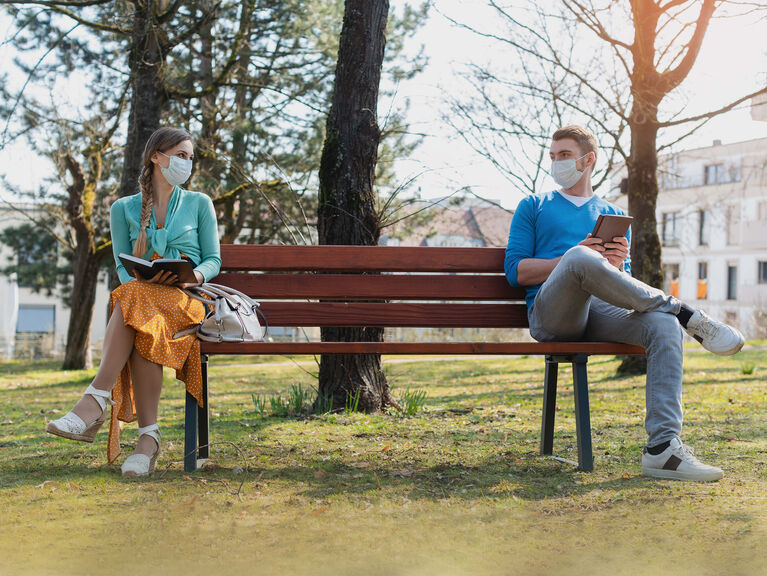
[
  {"x": 609, "y": 226},
  {"x": 183, "y": 269}
]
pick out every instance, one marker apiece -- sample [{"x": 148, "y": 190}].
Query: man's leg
[
  {"x": 660, "y": 335},
  {"x": 561, "y": 306}
]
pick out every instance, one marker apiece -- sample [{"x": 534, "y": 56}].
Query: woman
[{"x": 163, "y": 221}]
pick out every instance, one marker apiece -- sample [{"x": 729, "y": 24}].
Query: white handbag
[{"x": 231, "y": 316}]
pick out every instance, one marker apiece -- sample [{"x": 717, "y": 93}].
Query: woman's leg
[
  {"x": 118, "y": 344},
  {"x": 146, "y": 377}
]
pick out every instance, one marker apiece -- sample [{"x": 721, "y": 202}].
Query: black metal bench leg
[
  {"x": 549, "y": 405},
  {"x": 190, "y": 434},
  {"x": 582, "y": 417},
  {"x": 202, "y": 412}
]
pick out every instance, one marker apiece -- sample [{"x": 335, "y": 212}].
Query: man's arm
[{"x": 533, "y": 271}]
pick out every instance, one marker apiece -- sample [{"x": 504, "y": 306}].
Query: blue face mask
[
  {"x": 565, "y": 173},
  {"x": 178, "y": 170}
]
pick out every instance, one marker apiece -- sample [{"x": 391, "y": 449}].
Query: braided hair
[{"x": 161, "y": 140}]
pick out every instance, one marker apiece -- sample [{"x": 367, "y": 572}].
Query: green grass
[{"x": 456, "y": 488}]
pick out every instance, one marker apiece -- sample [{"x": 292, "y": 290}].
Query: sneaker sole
[
  {"x": 734, "y": 350},
  {"x": 730, "y": 352},
  {"x": 676, "y": 475}
]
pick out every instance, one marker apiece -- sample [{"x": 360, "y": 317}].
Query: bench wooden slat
[
  {"x": 446, "y": 348},
  {"x": 336, "y": 314},
  {"x": 360, "y": 258},
  {"x": 373, "y": 286}
]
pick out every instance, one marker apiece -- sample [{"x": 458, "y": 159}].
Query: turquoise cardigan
[{"x": 190, "y": 229}]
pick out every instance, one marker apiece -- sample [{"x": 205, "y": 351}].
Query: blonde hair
[
  {"x": 585, "y": 139},
  {"x": 161, "y": 140}
]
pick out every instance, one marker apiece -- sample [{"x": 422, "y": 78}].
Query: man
[{"x": 581, "y": 289}]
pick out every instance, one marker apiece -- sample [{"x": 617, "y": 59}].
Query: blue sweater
[
  {"x": 190, "y": 229},
  {"x": 547, "y": 225}
]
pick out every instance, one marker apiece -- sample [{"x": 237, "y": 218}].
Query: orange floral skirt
[{"x": 156, "y": 312}]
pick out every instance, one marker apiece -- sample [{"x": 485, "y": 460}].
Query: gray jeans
[{"x": 586, "y": 298}]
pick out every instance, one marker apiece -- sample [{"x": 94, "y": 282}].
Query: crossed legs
[
  {"x": 586, "y": 298},
  {"x": 146, "y": 376}
]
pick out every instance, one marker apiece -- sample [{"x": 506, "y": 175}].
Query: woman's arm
[
  {"x": 118, "y": 227},
  {"x": 207, "y": 230}
]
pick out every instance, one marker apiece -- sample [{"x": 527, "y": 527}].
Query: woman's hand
[
  {"x": 162, "y": 277},
  {"x": 200, "y": 280}
]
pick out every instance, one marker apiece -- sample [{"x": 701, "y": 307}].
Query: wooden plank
[
  {"x": 360, "y": 258},
  {"x": 373, "y": 286},
  {"x": 336, "y": 314},
  {"x": 447, "y": 348}
]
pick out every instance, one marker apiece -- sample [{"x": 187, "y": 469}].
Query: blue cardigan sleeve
[
  {"x": 521, "y": 239},
  {"x": 207, "y": 229},
  {"x": 118, "y": 227}
]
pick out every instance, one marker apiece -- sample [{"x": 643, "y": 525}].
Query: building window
[
  {"x": 732, "y": 282},
  {"x": 718, "y": 174},
  {"x": 703, "y": 227},
  {"x": 40, "y": 319},
  {"x": 670, "y": 231},
  {"x": 671, "y": 279},
  {"x": 762, "y": 273},
  {"x": 714, "y": 174},
  {"x": 702, "y": 292}
]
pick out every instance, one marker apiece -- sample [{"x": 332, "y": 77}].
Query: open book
[{"x": 183, "y": 269}]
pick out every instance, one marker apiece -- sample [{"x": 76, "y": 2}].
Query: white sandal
[
  {"x": 73, "y": 427},
  {"x": 140, "y": 464}
]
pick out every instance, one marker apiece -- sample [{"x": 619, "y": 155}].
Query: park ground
[{"x": 458, "y": 488}]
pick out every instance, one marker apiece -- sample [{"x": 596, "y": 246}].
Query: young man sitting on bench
[{"x": 580, "y": 288}]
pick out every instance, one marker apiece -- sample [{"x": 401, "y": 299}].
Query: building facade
[
  {"x": 712, "y": 222},
  {"x": 33, "y": 323}
]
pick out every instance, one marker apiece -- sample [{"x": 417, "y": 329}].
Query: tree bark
[
  {"x": 347, "y": 207},
  {"x": 149, "y": 99},
  {"x": 86, "y": 261}
]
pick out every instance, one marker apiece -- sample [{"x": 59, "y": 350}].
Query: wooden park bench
[{"x": 419, "y": 287}]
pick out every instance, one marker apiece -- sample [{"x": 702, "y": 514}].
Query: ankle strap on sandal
[
  {"x": 152, "y": 430},
  {"x": 101, "y": 396}
]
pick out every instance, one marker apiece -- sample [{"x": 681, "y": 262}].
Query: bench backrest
[{"x": 423, "y": 286}]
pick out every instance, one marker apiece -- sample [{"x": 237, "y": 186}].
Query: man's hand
[
  {"x": 617, "y": 251},
  {"x": 593, "y": 243}
]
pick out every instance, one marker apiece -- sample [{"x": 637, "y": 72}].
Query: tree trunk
[
  {"x": 148, "y": 97},
  {"x": 347, "y": 207},
  {"x": 233, "y": 219},
  {"x": 209, "y": 169},
  {"x": 86, "y": 271},
  {"x": 642, "y": 166},
  {"x": 81, "y": 196}
]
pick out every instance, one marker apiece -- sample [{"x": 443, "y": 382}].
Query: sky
[{"x": 732, "y": 62}]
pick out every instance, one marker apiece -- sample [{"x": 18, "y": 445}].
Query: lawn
[{"x": 459, "y": 488}]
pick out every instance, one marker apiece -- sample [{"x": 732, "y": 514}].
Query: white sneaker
[
  {"x": 716, "y": 337},
  {"x": 677, "y": 462}
]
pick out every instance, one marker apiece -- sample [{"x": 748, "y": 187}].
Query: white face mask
[
  {"x": 178, "y": 170},
  {"x": 565, "y": 173}
]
